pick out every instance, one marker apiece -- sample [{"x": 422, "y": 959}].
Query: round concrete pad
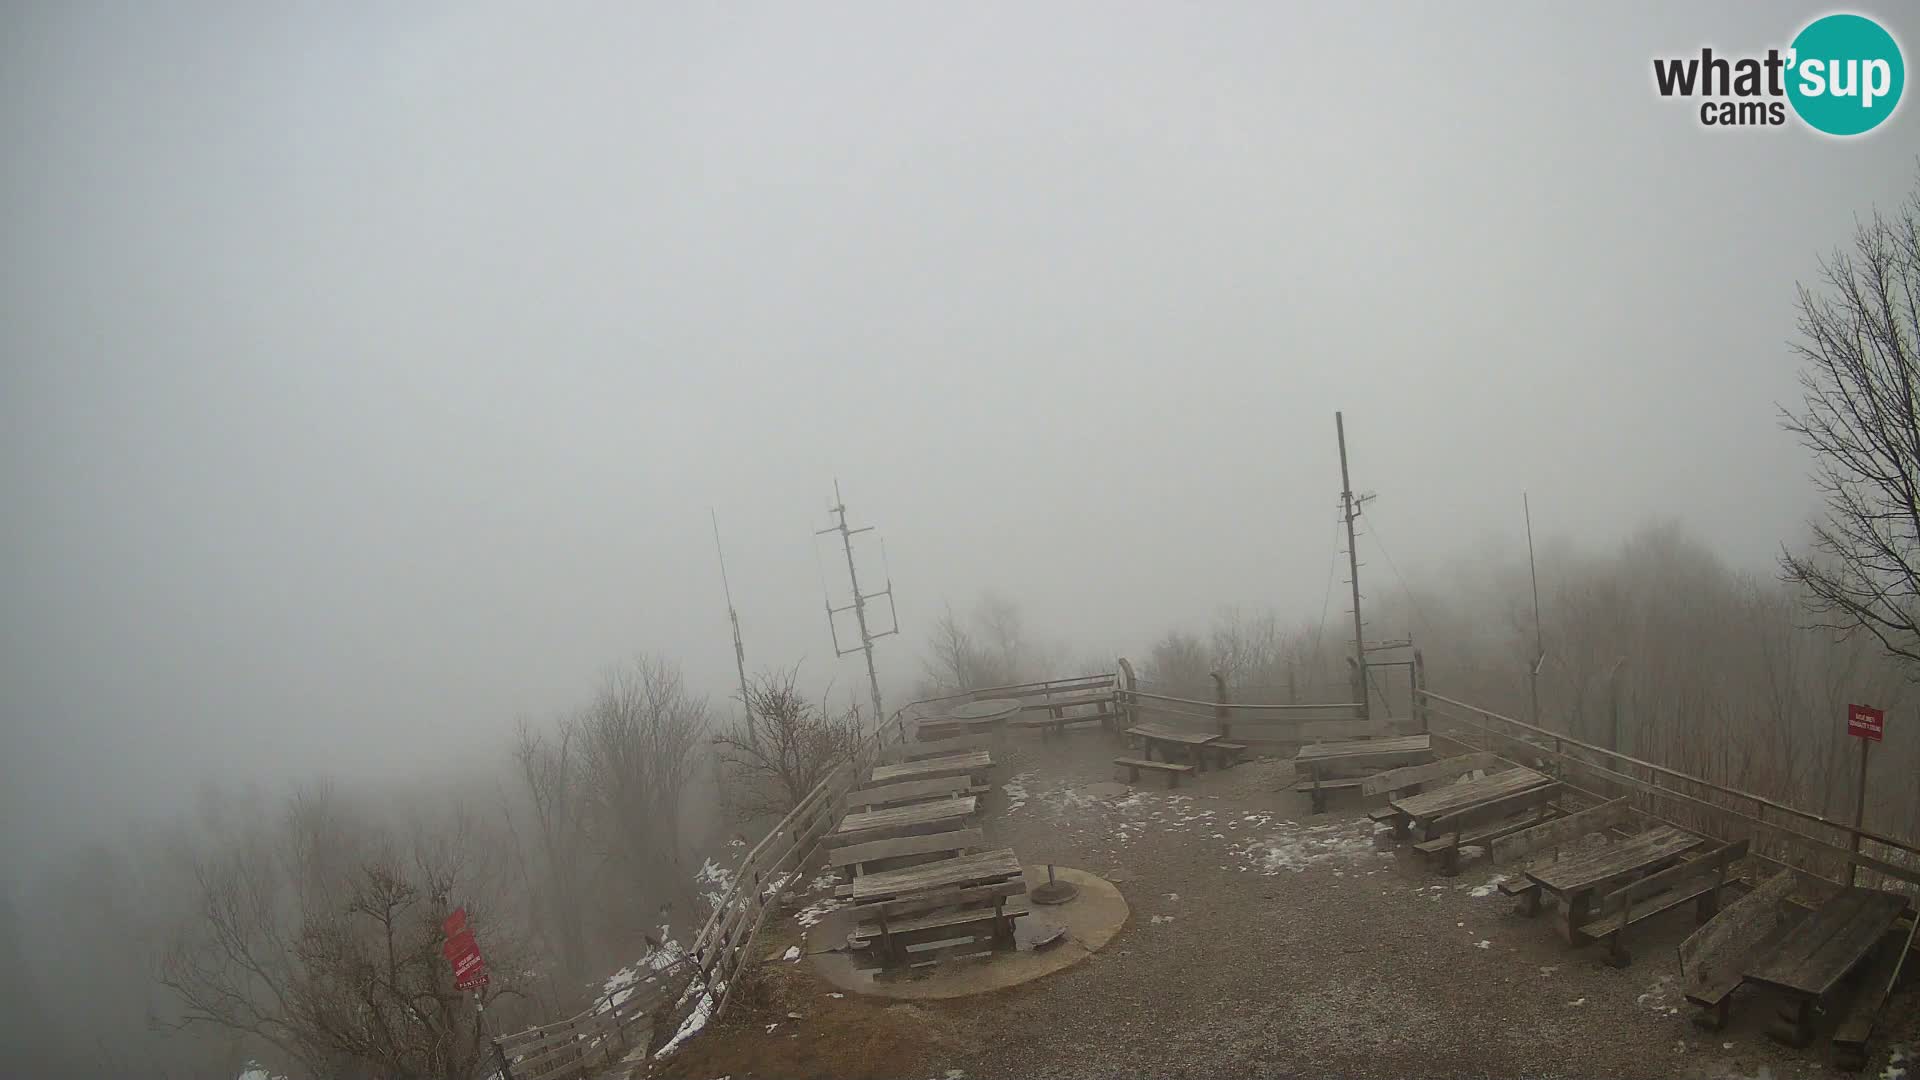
[{"x": 1089, "y": 919}]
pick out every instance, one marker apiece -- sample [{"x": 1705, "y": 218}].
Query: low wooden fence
[
  {"x": 1801, "y": 840},
  {"x": 1248, "y": 721}
]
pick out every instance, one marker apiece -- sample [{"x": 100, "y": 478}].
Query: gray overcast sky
[{"x": 368, "y": 370}]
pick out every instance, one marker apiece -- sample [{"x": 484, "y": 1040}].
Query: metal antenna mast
[
  {"x": 1350, "y": 509},
  {"x": 859, "y": 604},
  {"x": 739, "y": 650}
]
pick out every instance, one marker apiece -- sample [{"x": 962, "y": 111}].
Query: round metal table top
[{"x": 990, "y": 709}]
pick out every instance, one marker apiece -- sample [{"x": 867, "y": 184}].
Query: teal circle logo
[{"x": 1845, "y": 74}]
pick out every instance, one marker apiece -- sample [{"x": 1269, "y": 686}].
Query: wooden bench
[
  {"x": 1056, "y": 723},
  {"x": 1225, "y": 754},
  {"x": 1174, "y": 770},
  {"x": 1698, "y": 880},
  {"x": 1876, "y": 983},
  {"x": 965, "y": 906},
  {"x": 1317, "y": 786},
  {"x": 910, "y": 791},
  {"x": 857, "y": 859},
  {"x": 1553, "y": 834},
  {"x": 1834, "y": 941},
  {"x": 1487, "y": 822}
]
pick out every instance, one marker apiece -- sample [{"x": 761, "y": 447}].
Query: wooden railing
[{"x": 1802, "y": 840}]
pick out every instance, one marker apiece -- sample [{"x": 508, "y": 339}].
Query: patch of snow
[
  {"x": 1578, "y": 1001},
  {"x": 1158, "y": 919},
  {"x": 695, "y": 1021},
  {"x": 1897, "y": 1058},
  {"x": 1173, "y": 896},
  {"x": 1492, "y": 884},
  {"x": 718, "y": 881},
  {"x": 771, "y": 1026},
  {"x": 818, "y": 910},
  {"x": 792, "y": 953},
  {"x": 836, "y": 995},
  {"x": 1483, "y": 944},
  {"x": 1295, "y": 849}
]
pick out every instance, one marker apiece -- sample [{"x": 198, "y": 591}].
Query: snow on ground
[
  {"x": 1295, "y": 847},
  {"x": 718, "y": 881},
  {"x": 1016, "y": 789},
  {"x": 1897, "y": 1058},
  {"x": 257, "y": 1071},
  {"x": 695, "y": 1021},
  {"x": 1488, "y": 889},
  {"x": 620, "y": 985}
]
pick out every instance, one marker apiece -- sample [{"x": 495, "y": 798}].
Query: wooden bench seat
[
  {"x": 1174, "y": 770},
  {"x": 1381, "y": 815},
  {"x": 1225, "y": 754},
  {"x": 1486, "y": 822},
  {"x": 945, "y": 919},
  {"x": 1329, "y": 782},
  {"x": 1698, "y": 880},
  {"x": 911, "y": 791},
  {"x": 1875, "y": 984},
  {"x": 853, "y": 858}
]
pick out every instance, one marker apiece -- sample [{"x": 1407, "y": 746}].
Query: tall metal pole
[
  {"x": 859, "y": 605},
  {"x": 739, "y": 650},
  {"x": 1539, "y": 646},
  {"x": 1353, "y": 567}
]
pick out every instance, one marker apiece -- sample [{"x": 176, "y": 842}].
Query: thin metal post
[
  {"x": 739, "y": 650},
  {"x": 1859, "y": 811},
  {"x": 1539, "y": 645},
  {"x": 1350, "y": 511},
  {"x": 1220, "y": 713}
]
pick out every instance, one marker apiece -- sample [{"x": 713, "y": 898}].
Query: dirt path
[{"x": 1266, "y": 942}]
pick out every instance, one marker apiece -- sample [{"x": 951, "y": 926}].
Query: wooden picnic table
[
  {"x": 981, "y": 868},
  {"x": 1577, "y": 875},
  {"x": 1364, "y": 751},
  {"x": 1423, "y": 809},
  {"x": 1165, "y": 738},
  {"x": 972, "y": 762},
  {"x": 1823, "y": 949},
  {"x": 901, "y": 820}
]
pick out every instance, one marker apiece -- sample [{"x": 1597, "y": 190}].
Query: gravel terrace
[{"x": 1266, "y": 942}]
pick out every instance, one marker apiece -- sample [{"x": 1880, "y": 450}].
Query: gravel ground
[{"x": 1266, "y": 942}]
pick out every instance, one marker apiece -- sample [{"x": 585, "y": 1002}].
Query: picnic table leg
[
  {"x": 1796, "y": 1027},
  {"x": 1530, "y": 902},
  {"x": 1576, "y": 905},
  {"x": 1199, "y": 758}
]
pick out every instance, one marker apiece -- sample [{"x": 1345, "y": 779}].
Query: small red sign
[
  {"x": 1866, "y": 722},
  {"x": 463, "y": 952}
]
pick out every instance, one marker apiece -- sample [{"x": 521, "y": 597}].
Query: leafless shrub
[{"x": 798, "y": 744}]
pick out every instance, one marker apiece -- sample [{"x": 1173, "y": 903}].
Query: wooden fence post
[
  {"x": 1418, "y": 676},
  {"x": 1129, "y": 707},
  {"x": 1220, "y": 712}
]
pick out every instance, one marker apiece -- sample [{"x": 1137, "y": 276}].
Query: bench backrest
[
  {"x": 1496, "y": 809},
  {"x": 1564, "y": 831},
  {"x": 908, "y": 791},
  {"x": 1396, "y": 779},
  {"x": 1741, "y": 925},
  {"x": 933, "y": 901},
  {"x": 1713, "y": 864},
  {"x": 958, "y": 841}
]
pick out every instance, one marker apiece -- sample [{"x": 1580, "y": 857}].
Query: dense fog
[{"x": 368, "y": 378}]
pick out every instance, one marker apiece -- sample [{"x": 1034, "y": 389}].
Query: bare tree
[
  {"x": 799, "y": 745},
  {"x": 637, "y": 740},
  {"x": 337, "y": 964},
  {"x": 550, "y": 771},
  {"x": 1861, "y": 344}
]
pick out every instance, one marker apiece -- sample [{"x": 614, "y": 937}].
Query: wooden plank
[
  {"x": 1595, "y": 868},
  {"x": 1359, "y": 748},
  {"x": 1876, "y": 986},
  {"x": 1714, "y": 862},
  {"x": 853, "y": 826},
  {"x": 1448, "y": 769},
  {"x": 1328, "y": 730},
  {"x": 1163, "y": 733},
  {"x": 972, "y": 761},
  {"x": 1013, "y": 908},
  {"x": 873, "y": 850},
  {"x": 1713, "y": 958},
  {"x": 1143, "y": 763},
  {"x": 907, "y": 906},
  {"x": 1836, "y": 937},
  {"x": 1446, "y": 800},
  {"x": 977, "y": 868},
  {"x": 910, "y": 791},
  {"x": 1496, "y": 810},
  {"x": 1067, "y": 702},
  {"x": 1567, "y": 830}
]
